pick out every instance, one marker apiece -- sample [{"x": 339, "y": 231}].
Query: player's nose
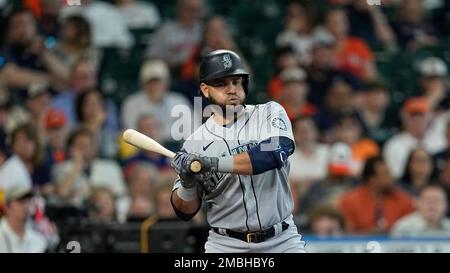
[{"x": 231, "y": 88}]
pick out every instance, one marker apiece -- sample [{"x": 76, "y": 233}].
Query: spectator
[
  {"x": 139, "y": 14},
  {"x": 441, "y": 157},
  {"x": 339, "y": 99},
  {"x": 418, "y": 171},
  {"x": 25, "y": 166},
  {"x": 216, "y": 35},
  {"x": 284, "y": 59},
  {"x": 338, "y": 181},
  {"x": 297, "y": 31},
  {"x": 175, "y": 39},
  {"x": 164, "y": 209},
  {"x": 75, "y": 42},
  {"x": 433, "y": 73},
  {"x": 18, "y": 236},
  {"x": 155, "y": 98},
  {"x": 48, "y": 19},
  {"x": 109, "y": 28},
  {"x": 376, "y": 123},
  {"x": 142, "y": 181},
  {"x": 326, "y": 221},
  {"x": 309, "y": 162},
  {"x": 56, "y": 126},
  {"x": 369, "y": 23},
  {"x": 444, "y": 181},
  {"x": 38, "y": 104},
  {"x": 377, "y": 204},
  {"x": 149, "y": 126},
  {"x": 350, "y": 53},
  {"x": 83, "y": 77},
  {"x": 16, "y": 77},
  {"x": 416, "y": 119},
  {"x": 103, "y": 205},
  {"x": 414, "y": 29},
  {"x": 321, "y": 72},
  {"x": 429, "y": 220},
  {"x": 91, "y": 114},
  {"x": 12, "y": 114},
  {"x": 25, "y": 49},
  {"x": 294, "y": 92},
  {"x": 82, "y": 171},
  {"x": 348, "y": 130},
  {"x": 434, "y": 87}
]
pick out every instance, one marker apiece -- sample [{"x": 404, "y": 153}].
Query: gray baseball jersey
[{"x": 244, "y": 202}]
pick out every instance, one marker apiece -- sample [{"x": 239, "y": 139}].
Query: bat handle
[{"x": 196, "y": 166}]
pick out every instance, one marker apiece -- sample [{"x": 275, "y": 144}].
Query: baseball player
[{"x": 245, "y": 167}]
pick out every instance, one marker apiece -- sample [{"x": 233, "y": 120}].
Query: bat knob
[{"x": 196, "y": 166}]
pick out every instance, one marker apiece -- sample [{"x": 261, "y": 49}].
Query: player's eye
[
  {"x": 219, "y": 84},
  {"x": 237, "y": 82}
]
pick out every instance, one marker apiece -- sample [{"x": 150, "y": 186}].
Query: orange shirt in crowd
[
  {"x": 275, "y": 87},
  {"x": 306, "y": 110},
  {"x": 189, "y": 68},
  {"x": 35, "y": 6},
  {"x": 353, "y": 56},
  {"x": 360, "y": 211}
]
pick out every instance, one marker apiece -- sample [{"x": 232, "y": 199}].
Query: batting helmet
[{"x": 222, "y": 63}]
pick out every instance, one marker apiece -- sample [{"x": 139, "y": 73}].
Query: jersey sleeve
[{"x": 274, "y": 122}]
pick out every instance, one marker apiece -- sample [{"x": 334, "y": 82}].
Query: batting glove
[
  {"x": 181, "y": 163},
  {"x": 189, "y": 180},
  {"x": 183, "y": 160}
]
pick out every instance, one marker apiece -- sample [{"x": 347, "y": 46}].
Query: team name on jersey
[{"x": 243, "y": 148}]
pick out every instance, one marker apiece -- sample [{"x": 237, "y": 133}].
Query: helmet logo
[{"x": 227, "y": 62}]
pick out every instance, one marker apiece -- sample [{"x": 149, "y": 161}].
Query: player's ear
[{"x": 204, "y": 90}]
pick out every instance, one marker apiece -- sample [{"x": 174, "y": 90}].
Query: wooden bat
[{"x": 142, "y": 141}]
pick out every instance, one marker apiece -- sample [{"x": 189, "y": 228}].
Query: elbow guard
[{"x": 270, "y": 154}]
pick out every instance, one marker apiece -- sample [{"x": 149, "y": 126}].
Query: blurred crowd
[{"x": 365, "y": 86}]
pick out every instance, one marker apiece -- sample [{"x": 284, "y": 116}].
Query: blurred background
[{"x": 364, "y": 82}]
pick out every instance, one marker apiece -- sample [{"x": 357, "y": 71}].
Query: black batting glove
[
  {"x": 183, "y": 160},
  {"x": 209, "y": 164},
  {"x": 189, "y": 180},
  {"x": 180, "y": 162}
]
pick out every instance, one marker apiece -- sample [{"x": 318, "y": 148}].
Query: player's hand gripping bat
[{"x": 142, "y": 141}]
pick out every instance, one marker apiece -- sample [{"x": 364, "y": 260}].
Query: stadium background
[{"x": 376, "y": 71}]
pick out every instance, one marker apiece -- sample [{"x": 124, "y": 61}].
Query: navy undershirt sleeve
[{"x": 270, "y": 154}]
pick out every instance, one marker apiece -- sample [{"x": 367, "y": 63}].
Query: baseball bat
[{"x": 142, "y": 141}]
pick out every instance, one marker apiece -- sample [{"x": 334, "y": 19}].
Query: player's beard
[{"x": 228, "y": 110}]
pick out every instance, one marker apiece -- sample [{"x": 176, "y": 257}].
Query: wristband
[{"x": 225, "y": 164}]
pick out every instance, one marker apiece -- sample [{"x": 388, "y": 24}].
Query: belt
[{"x": 253, "y": 237}]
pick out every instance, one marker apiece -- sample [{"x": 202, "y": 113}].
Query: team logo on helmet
[{"x": 227, "y": 62}]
